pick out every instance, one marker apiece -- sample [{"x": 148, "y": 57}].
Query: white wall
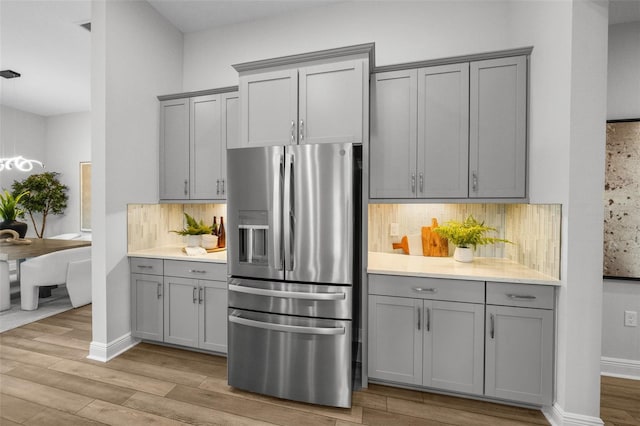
[
  {"x": 136, "y": 55},
  {"x": 567, "y": 99},
  {"x": 68, "y": 142},
  {"x": 624, "y": 71},
  {"x": 620, "y": 344},
  {"x": 21, "y": 133}
]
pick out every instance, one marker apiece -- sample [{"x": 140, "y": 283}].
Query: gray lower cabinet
[
  {"x": 423, "y": 341},
  {"x": 519, "y": 343},
  {"x": 186, "y": 304}
]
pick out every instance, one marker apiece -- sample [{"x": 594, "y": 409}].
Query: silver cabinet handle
[
  {"x": 474, "y": 184},
  {"x": 287, "y": 294},
  {"x": 413, "y": 183},
  {"x": 525, "y": 297},
  {"x": 186, "y": 187},
  {"x": 286, "y": 328},
  {"x": 492, "y": 326},
  {"x": 197, "y": 271},
  {"x": 222, "y": 191},
  {"x": 145, "y": 266},
  {"x": 159, "y": 290},
  {"x": 425, "y": 290},
  {"x": 421, "y": 183},
  {"x": 428, "y": 319},
  {"x": 200, "y": 299},
  {"x": 419, "y": 315},
  {"x": 293, "y": 131},
  {"x": 301, "y": 130},
  {"x": 195, "y": 297},
  {"x": 218, "y": 187}
]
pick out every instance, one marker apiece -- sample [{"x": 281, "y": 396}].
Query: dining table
[{"x": 20, "y": 251}]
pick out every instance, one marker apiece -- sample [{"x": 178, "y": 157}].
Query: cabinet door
[
  {"x": 519, "y": 354},
  {"x": 181, "y": 311},
  {"x": 230, "y": 132},
  {"x": 147, "y": 307},
  {"x": 330, "y": 109},
  {"x": 174, "y": 149},
  {"x": 453, "y": 346},
  {"x": 393, "y": 134},
  {"x": 443, "y": 131},
  {"x": 395, "y": 339},
  {"x": 205, "y": 147},
  {"x": 269, "y": 108},
  {"x": 498, "y": 111},
  {"x": 212, "y": 324}
]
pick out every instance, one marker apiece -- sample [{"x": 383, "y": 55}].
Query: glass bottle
[
  {"x": 214, "y": 227},
  {"x": 222, "y": 235}
]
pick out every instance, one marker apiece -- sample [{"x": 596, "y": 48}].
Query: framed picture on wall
[
  {"x": 85, "y": 196},
  {"x": 622, "y": 200}
]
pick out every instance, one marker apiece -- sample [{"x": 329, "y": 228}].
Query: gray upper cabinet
[
  {"x": 393, "y": 147},
  {"x": 451, "y": 131},
  {"x": 174, "y": 149},
  {"x": 194, "y": 133},
  {"x": 498, "y": 128},
  {"x": 317, "y": 97},
  {"x": 419, "y": 133}
]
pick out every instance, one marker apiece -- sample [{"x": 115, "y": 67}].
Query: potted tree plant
[
  {"x": 9, "y": 212},
  {"x": 46, "y": 195},
  {"x": 194, "y": 231},
  {"x": 466, "y": 236}
]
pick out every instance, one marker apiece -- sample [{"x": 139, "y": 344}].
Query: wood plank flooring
[{"x": 46, "y": 379}]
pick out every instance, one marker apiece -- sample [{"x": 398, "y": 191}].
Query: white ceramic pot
[
  {"x": 209, "y": 241},
  {"x": 194, "y": 240},
  {"x": 463, "y": 254}
]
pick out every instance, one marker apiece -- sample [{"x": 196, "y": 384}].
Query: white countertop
[
  {"x": 176, "y": 253},
  {"x": 481, "y": 269}
]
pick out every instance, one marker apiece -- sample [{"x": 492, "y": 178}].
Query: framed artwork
[
  {"x": 622, "y": 200},
  {"x": 85, "y": 196}
]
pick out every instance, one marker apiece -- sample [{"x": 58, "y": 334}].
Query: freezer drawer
[
  {"x": 310, "y": 300},
  {"x": 298, "y": 358}
]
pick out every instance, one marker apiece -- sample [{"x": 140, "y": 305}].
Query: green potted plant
[
  {"x": 9, "y": 212},
  {"x": 466, "y": 236},
  {"x": 46, "y": 195},
  {"x": 194, "y": 230}
]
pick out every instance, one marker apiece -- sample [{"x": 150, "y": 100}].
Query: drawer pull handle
[
  {"x": 425, "y": 290},
  {"x": 521, "y": 297},
  {"x": 145, "y": 266},
  {"x": 197, "y": 271}
]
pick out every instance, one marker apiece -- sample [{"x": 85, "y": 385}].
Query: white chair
[{"x": 70, "y": 266}]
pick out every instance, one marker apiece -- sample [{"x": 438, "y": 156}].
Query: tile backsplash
[
  {"x": 534, "y": 229},
  {"x": 149, "y": 224}
]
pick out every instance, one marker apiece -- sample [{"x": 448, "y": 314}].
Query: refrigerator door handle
[
  {"x": 286, "y": 328},
  {"x": 287, "y": 294},
  {"x": 277, "y": 212},
  {"x": 288, "y": 212}
]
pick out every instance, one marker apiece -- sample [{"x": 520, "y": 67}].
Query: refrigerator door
[
  {"x": 318, "y": 213},
  {"x": 254, "y": 210}
]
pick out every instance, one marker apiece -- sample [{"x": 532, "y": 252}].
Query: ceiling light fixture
[
  {"x": 18, "y": 163},
  {"x": 9, "y": 74}
]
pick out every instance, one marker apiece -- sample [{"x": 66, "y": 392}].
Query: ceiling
[{"x": 43, "y": 40}]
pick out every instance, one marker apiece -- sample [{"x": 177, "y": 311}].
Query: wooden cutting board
[
  {"x": 432, "y": 243},
  {"x": 410, "y": 244}
]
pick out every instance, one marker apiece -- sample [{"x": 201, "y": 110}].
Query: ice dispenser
[{"x": 253, "y": 232}]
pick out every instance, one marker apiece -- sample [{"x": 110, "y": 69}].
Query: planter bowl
[{"x": 463, "y": 254}]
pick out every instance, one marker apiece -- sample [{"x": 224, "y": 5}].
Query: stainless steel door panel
[
  {"x": 313, "y": 300},
  {"x": 254, "y": 210},
  {"x": 303, "y": 359},
  {"x": 318, "y": 213}
]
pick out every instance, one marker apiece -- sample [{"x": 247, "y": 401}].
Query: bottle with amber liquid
[
  {"x": 214, "y": 227},
  {"x": 222, "y": 235}
]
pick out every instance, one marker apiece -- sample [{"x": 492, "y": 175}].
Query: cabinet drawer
[
  {"x": 199, "y": 270},
  {"x": 427, "y": 288},
  {"x": 523, "y": 295},
  {"x": 142, "y": 265}
]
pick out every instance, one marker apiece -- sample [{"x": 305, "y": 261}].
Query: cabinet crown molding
[
  {"x": 198, "y": 93},
  {"x": 291, "y": 60},
  {"x": 456, "y": 59}
]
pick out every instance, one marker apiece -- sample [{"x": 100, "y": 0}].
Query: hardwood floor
[{"x": 46, "y": 379}]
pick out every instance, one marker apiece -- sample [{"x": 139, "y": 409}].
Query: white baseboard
[
  {"x": 105, "y": 352},
  {"x": 618, "y": 367},
  {"x": 558, "y": 417}
]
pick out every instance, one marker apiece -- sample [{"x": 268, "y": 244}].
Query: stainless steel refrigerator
[{"x": 293, "y": 259}]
